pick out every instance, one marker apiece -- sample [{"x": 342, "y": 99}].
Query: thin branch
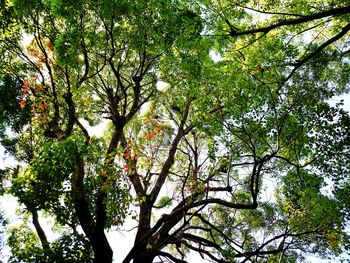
[{"x": 268, "y": 12}]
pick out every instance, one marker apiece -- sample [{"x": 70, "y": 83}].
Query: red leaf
[{"x": 22, "y": 104}]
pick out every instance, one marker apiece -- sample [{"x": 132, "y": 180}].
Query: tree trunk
[
  {"x": 40, "y": 231},
  {"x": 140, "y": 254},
  {"x": 102, "y": 251},
  {"x": 142, "y": 258}
]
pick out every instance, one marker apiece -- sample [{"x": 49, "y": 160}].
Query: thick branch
[
  {"x": 295, "y": 21},
  {"x": 170, "y": 160},
  {"x": 80, "y": 202},
  {"x": 101, "y": 214},
  {"x": 171, "y": 257},
  {"x": 203, "y": 251},
  {"x": 201, "y": 241},
  {"x": 134, "y": 177},
  {"x": 39, "y": 230},
  {"x": 99, "y": 242},
  {"x": 330, "y": 41}
]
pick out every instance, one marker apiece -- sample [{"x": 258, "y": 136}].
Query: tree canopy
[{"x": 215, "y": 132}]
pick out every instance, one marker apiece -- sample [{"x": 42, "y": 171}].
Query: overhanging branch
[{"x": 295, "y": 21}]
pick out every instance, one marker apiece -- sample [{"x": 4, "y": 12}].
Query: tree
[
  {"x": 244, "y": 103},
  {"x": 3, "y": 223}
]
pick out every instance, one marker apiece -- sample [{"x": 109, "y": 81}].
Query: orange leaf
[
  {"x": 126, "y": 168},
  {"x": 42, "y": 58},
  {"x": 39, "y": 88},
  {"x": 25, "y": 86},
  {"x": 50, "y": 45},
  {"x": 42, "y": 106},
  {"x": 22, "y": 104}
]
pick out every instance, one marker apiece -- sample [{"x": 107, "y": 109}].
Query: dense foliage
[{"x": 215, "y": 132}]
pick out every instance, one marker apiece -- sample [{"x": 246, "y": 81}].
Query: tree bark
[
  {"x": 102, "y": 250},
  {"x": 143, "y": 258},
  {"x": 140, "y": 254},
  {"x": 39, "y": 230},
  {"x": 100, "y": 246}
]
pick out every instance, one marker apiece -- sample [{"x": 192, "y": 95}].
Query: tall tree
[{"x": 218, "y": 136}]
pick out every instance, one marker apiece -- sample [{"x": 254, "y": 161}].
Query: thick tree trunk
[
  {"x": 140, "y": 254},
  {"x": 100, "y": 246},
  {"x": 142, "y": 258},
  {"x": 102, "y": 251}
]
